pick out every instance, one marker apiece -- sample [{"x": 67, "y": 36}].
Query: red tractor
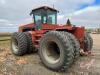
[{"x": 58, "y": 46}]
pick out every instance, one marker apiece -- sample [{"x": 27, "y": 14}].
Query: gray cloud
[{"x": 17, "y": 11}]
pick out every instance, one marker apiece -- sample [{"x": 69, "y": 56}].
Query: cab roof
[{"x": 43, "y": 7}]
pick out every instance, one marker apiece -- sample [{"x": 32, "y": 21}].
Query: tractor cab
[{"x": 44, "y": 15}]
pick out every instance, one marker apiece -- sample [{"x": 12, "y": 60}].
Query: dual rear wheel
[
  {"x": 88, "y": 42},
  {"x": 58, "y": 50},
  {"x": 21, "y": 43}
]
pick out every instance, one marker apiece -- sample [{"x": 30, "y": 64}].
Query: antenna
[{"x": 53, "y": 6}]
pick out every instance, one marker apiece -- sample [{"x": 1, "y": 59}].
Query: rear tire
[
  {"x": 18, "y": 43},
  {"x": 88, "y": 41},
  {"x": 56, "y": 51}
]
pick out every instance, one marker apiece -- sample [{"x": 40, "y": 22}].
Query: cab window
[{"x": 51, "y": 18}]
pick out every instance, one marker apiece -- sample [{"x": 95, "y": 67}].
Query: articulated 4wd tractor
[{"x": 58, "y": 46}]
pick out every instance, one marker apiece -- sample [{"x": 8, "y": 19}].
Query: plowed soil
[{"x": 30, "y": 64}]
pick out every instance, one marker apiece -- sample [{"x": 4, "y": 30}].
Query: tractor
[{"x": 57, "y": 45}]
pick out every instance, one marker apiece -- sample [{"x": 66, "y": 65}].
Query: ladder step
[
  {"x": 39, "y": 35},
  {"x": 37, "y": 40},
  {"x": 37, "y": 46}
]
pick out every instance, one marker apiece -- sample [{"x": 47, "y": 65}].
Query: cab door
[{"x": 38, "y": 21}]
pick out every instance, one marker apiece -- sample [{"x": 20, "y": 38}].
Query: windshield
[
  {"x": 45, "y": 17},
  {"x": 51, "y": 18}
]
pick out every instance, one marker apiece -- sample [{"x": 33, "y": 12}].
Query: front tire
[
  {"x": 18, "y": 43},
  {"x": 56, "y": 51},
  {"x": 75, "y": 44},
  {"x": 31, "y": 47}
]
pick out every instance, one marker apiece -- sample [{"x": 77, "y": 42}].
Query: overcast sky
[{"x": 81, "y": 12}]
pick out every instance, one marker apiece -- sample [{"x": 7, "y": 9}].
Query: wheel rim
[
  {"x": 51, "y": 52},
  {"x": 15, "y": 45}
]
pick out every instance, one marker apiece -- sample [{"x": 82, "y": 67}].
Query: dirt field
[{"x": 31, "y": 64}]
